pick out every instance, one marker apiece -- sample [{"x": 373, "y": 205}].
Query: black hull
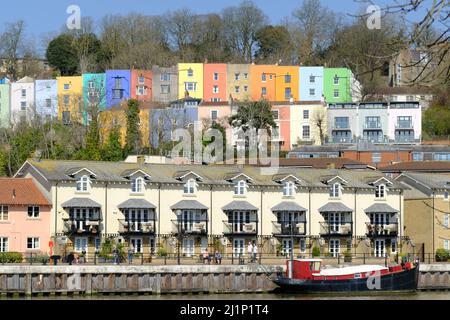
[{"x": 405, "y": 281}]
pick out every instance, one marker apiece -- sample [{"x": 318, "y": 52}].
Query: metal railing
[
  {"x": 289, "y": 228},
  {"x": 244, "y": 227},
  {"x": 404, "y": 125},
  {"x": 372, "y": 125},
  {"x": 378, "y": 229},
  {"x": 195, "y": 226},
  {"x": 76, "y": 226},
  {"x": 136, "y": 227},
  {"x": 340, "y": 228}
]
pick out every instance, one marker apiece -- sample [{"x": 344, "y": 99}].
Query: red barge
[{"x": 307, "y": 276}]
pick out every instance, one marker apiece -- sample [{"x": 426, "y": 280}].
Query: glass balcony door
[
  {"x": 334, "y": 221},
  {"x": 239, "y": 218}
]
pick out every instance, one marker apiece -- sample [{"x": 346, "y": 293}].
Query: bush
[
  {"x": 442, "y": 255},
  {"x": 11, "y": 257},
  {"x": 316, "y": 252},
  {"x": 38, "y": 258},
  {"x": 162, "y": 252}
]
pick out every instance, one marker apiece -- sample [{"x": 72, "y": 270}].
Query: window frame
[
  {"x": 33, "y": 243},
  {"x": 34, "y": 214},
  {"x": 190, "y": 187},
  {"x": 240, "y": 188},
  {"x": 83, "y": 184},
  {"x": 335, "y": 190},
  {"x": 138, "y": 185},
  {"x": 380, "y": 191}
]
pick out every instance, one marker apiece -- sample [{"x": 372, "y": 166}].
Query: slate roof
[
  {"x": 335, "y": 207},
  {"x": 80, "y": 203},
  {"x": 188, "y": 204},
  {"x": 288, "y": 206},
  {"x": 380, "y": 207},
  {"x": 136, "y": 204},
  {"x": 239, "y": 205}
]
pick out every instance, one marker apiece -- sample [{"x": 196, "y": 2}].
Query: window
[
  {"x": 190, "y": 73},
  {"x": 216, "y": 99},
  {"x": 165, "y": 88},
  {"x": 165, "y": 77},
  {"x": 48, "y": 103},
  {"x": 447, "y": 244},
  {"x": 417, "y": 156},
  {"x": 380, "y": 191},
  {"x": 83, "y": 183},
  {"x": 245, "y": 76},
  {"x": 446, "y": 220},
  {"x": 263, "y": 77},
  {"x": 4, "y": 210},
  {"x": 312, "y": 92},
  {"x": 33, "y": 243},
  {"x": 66, "y": 99},
  {"x": 305, "y": 114},
  {"x": 336, "y": 80},
  {"x": 214, "y": 115},
  {"x": 336, "y": 93},
  {"x": 66, "y": 86},
  {"x": 341, "y": 122},
  {"x": 33, "y": 212},
  {"x": 216, "y": 76},
  {"x": 97, "y": 244},
  {"x": 287, "y": 78},
  {"x": 276, "y": 114},
  {"x": 287, "y": 93},
  {"x": 376, "y": 157},
  {"x": 305, "y": 132},
  {"x": 393, "y": 245},
  {"x": 190, "y": 86},
  {"x": 141, "y": 91},
  {"x": 245, "y": 88},
  {"x": 335, "y": 190},
  {"x": 3, "y": 244},
  {"x": 23, "y": 105},
  {"x": 236, "y": 76},
  {"x": 215, "y": 89},
  {"x": 240, "y": 188},
  {"x": 289, "y": 189},
  {"x": 24, "y": 93},
  {"x": 312, "y": 79},
  {"x": 91, "y": 84},
  {"x": 236, "y": 89},
  {"x": 275, "y": 133},
  {"x": 446, "y": 195},
  {"x": 302, "y": 245},
  {"x": 66, "y": 117},
  {"x": 334, "y": 247},
  {"x": 190, "y": 187},
  {"x": 141, "y": 80},
  {"x": 137, "y": 185},
  {"x": 263, "y": 91}
]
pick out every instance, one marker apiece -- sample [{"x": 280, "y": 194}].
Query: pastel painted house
[
  {"x": 215, "y": 82},
  {"x": 311, "y": 83},
  {"x": 209, "y": 112},
  {"x": 190, "y": 80},
  {"x": 46, "y": 97},
  {"x": 94, "y": 94},
  {"x": 304, "y": 128},
  {"x": 4, "y": 105},
  {"x": 337, "y": 84},
  {"x": 238, "y": 82},
  {"x": 282, "y": 132},
  {"x": 70, "y": 99},
  {"x": 263, "y": 82},
  {"x": 287, "y": 83},
  {"x": 164, "y": 84},
  {"x": 141, "y": 85},
  {"x": 118, "y": 87},
  {"x": 24, "y": 217},
  {"x": 22, "y": 100},
  {"x": 405, "y": 122}
]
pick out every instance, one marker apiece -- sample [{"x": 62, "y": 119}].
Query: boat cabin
[{"x": 304, "y": 268}]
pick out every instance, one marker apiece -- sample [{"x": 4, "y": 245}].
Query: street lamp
[{"x": 178, "y": 213}]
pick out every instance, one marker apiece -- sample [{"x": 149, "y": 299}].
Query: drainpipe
[
  {"x": 211, "y": 212},
  {"x": 106, "y": 209},
  {"x": 354, "y": 221},
  {"x": 309, "y": 212},
  {"x": 159, "y": 215},
  {"x": 260, "y": 227},
  {"x": 433, "y": 222},
  {"x": 56, "y": 208}
]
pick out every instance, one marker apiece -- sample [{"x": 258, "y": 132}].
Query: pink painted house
[
  {"x": 215, "y": 82},
  {"x": 24, "y": 217},
  {"x": 282, "y": 115},
  {"x": 215, "y": 111}
]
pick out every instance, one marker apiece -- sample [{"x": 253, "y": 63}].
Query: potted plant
[
  {"x": 348, "y": 256},
  {"x": 316, "y": 252}
]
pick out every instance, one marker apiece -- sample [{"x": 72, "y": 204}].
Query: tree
[
  {"x": 133, "y": 139},
  {"x": 320, "y": 121},
  {"x": 11, "y": 47},
  {"x": 61, "y": 54},
  {"x": 181, "y": 25},
  {"x": 113, "y": 149},
  {"x": 274, "y": 45},
  {"x": 256, "y": 114}
]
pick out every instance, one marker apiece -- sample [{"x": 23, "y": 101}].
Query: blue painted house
[
  {"x": 94, "y": 93},
  {"x": 46, "y": 99},
  {"x": 311, "y": 83},
  {"x": 118, "y": 85}
]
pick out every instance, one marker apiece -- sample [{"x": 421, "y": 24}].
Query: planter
[{"x": 347, "y": 259}]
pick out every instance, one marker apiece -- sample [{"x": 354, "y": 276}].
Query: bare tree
[
  {"x": 320, "y": 121},
  {"x": 11, "y": 46}
]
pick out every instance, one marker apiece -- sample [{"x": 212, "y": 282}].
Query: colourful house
[
  {"x": 311, "y": 83},
  {"x": 337, "y": 85},
  {"x": 215, "y": 82},
  {"x": 46, "y": 98},
  {"x": 94, "y": 94},
  {"x": 22, "y": 100},
  {"x": 70, "y": 99},
  {"x": 209, "y": 112},
  {"x": 238, "y": 82},
  {"x": 141, "y": 85},
  {"x": 164, "y": 84},
  {"x": 118, "y": 85},
  {"x": 287, "y": 83},
  {"x": 190, "y": 80},
  {"x": 24, "y": 217},
  {"x": 282, "y": 133},
  {"x": 4, "y": 105},
  {"x": 263, "y": 82},
  {"x": 304, "y": 123}
]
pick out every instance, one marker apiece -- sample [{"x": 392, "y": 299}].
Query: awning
[
  {"x": 335, "y": 207},
  {"x": 239, "y": 205},
  {"x": 380, "y": 208},
  {"x": 188, "y": 204},
  {"x": 136, "y": 204},
  {"x": 288, "y": 206},
  {"x": 80, "y": 203}
]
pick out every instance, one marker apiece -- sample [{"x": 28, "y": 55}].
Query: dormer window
[
  {"x": 335, "y": 190},
  {"x": 137, "y": 185},
  {"x": 240, "y": 188},
  {"x": 289, "y": 188},
  {"x": 446, "y": 195},
  {"x": 380, "y": 191},
  {"x": 190, "y": 187},
  {"x": 83, "y": 183}
]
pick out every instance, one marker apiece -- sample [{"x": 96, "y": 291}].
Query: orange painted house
[
  {"x": 282, "y": 115},
  {"x": 263, "y": 82},
  {"x": 24, "y": 217},
  {"x": 141, "y": 85},
  {"x": 215, "y": 82},
  {"x": 287, "y": 83}
]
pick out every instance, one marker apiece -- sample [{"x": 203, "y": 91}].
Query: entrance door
[
  {"x": 238, "y": 247},
  {"x": 335, "y": 247},
  {"x": 188, "y": 247},
  {"x": 380, "y": 248},
  {"x": 137, "y": 244},
  {"x": 287, "y": 246},
  {"x": 81, "y": 244}
]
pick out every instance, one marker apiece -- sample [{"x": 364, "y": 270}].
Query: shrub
[
  {"x": 11, "y": 257},
  {"x": 442, "y": 255},
  {"x": 38, "y": 258},
  {"x": 162, "y": 252},
  {"x": 316, "y": 252}
]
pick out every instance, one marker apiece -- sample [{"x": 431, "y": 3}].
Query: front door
[
  {"x": 238, "y": 247},
  {"x": 335, "y": 247},
  {"x": 81, "y": 244},
  {"x": 188, "y": 247},
  {"x": 287, "y": 246},
  {"x": 136, "y": 244},
  {"x": 380, "y": 248}
]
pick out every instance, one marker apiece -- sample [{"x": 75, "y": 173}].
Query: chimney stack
[{"x": 14, "y": 193}]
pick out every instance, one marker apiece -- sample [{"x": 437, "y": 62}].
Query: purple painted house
[{"x": 118, "y": 84}]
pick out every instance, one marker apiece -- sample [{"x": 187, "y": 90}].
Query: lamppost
[
  {"x": 179, "y": 229},
  {"x": 291, "y": 261}
]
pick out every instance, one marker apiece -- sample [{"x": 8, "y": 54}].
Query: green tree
[
  {"x": 62, "y": 54},
  {"x": 113, "y": 149},
  {"x": 133, "y": 138},
  {"x": 92, "y": 150},
  {"x": 255, "y": 114},
  {"x": 274, "y": 44}
]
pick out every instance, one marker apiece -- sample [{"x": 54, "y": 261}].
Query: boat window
[
  {"x": 315, "y": 266},
  {"x": 357, "y": 275}
]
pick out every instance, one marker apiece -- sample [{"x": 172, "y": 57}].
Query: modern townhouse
[
  {"x": 307, "y": 119},
  {"x": 221, "y": 206},
  {"x": 94, "y": 95},
  {"x": 118, "y": 87},
  {"x": 141, "y": 85},
  {"x": 22, "y": 106},
  {"x": 215, "y": 82},
  {"x": 373, "y": 122},
  {"x": 343, "y": 124},
  {"x": 190, "y": 80},
  {"x": 164, "y": 84},
  {"x": 238, "y": 82},
  {"x": 405, "y": 122},
  {"x": 46, "y": 98},
  {"x": 24, "y": 217},
  {"x": 311, "y": 84},
  {"x": 5, "y": 105},
  {"x": 70, "y": 99}
]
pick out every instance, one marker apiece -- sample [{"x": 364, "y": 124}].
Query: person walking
[
  {"x": 130, "y": 255},
  {"x": 250, "y": 251},
  {"x": 255, "y": 252},
  {"x": 115, "y": 254}
]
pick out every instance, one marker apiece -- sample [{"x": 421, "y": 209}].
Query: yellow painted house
[
  {"x": 190, "y": 80},
  {"x": 70, "y": 99}
]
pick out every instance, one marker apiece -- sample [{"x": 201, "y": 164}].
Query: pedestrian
[
  {"x": 70, "y": 258},
  {"x": 218, "y": 257},
  {"x": 255, "y": 252},
  {"x": 115, "y": 254},
  {"x": 206, "y": 257},
  {"x": 250, "y": 251},
  {"x": 130, "y": 255}
]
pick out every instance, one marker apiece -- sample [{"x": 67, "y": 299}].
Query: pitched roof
[
  {"x": 335, "y": 207},
  {"x": 322, "y": 163},
  {"x": 424, "y": 166},
  {"x": 288, "y": 206},
  {"x": 80, "y": 203},
  {"x": 380, "y": 207},
  {"x": 436, "y": 181},
  {"x": 188, "y": 204},
  {"x": 239, "y": 205},
  {"x": 21, "y": 191},
  {"x": 136, "y": 204}
]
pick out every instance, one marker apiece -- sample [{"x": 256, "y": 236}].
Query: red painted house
[{"x": 141, "y": 85}]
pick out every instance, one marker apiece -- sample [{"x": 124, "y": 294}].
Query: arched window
[
  {"x": 137, "y": 185},
  {"x": 240, "y": 188},
  {"x": 380, "y": 191},
  {"x": 289, "y": 188},
  {"x": 190, "y": 187},
  {"x": 83, "y": 183},
  {"x": 335, "y": 190}
]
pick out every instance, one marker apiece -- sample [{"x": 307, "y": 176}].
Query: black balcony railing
[
  {"x": 382, "y": 230},
  {"x": 136, "y": 227},
  {"x": 336, "y": 229},
  {"x": 241, "y": 227},
  {"x": 288, "y": 228},
  {"x": 194, "y": 227},
  {"x": 81, "y": 226}
]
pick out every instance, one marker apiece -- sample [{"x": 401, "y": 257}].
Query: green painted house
[
  {"x": 4, "y": 105},
  {"x": 338, "y": 85},
  {"x": 94, "y": 94}
]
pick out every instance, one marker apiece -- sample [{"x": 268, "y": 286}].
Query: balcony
[
  {"x": 382, "y": 230},
  {"x": 81, "y": 227},
  {"x": 372, "y": 125},
  {"x": 246, "y": 227},
  {"x": 136, "y": 227},
  {"x": 283, "y": 228},
  {"x": 193, "y": 227},
  {"x": 341, "y": 127},
  {"x": 404, "y": 125},
  {"x": 336, "y": 229}
]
